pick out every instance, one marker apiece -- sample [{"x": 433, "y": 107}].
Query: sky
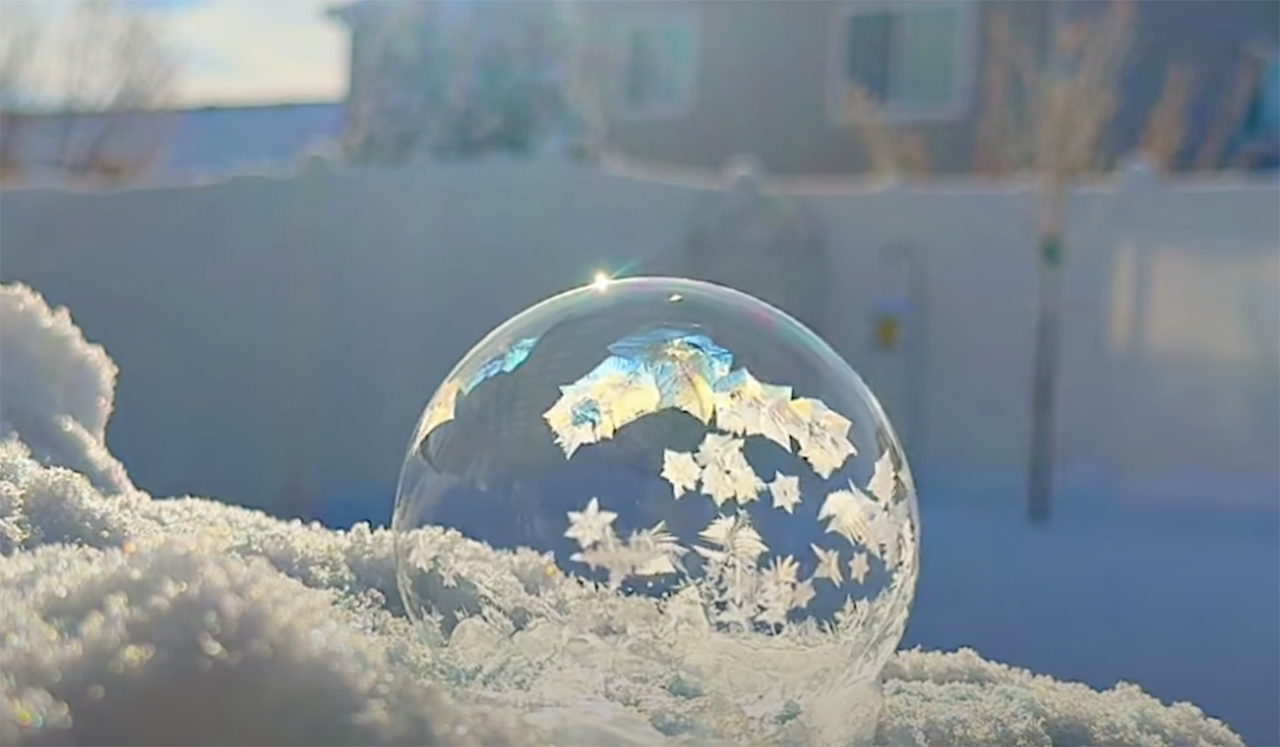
[
  {"x": 242, "y": 51},
  {"x": 246, "y": 51}
]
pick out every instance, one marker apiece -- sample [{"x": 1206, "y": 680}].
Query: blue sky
[{"x": 238, "y": 51}]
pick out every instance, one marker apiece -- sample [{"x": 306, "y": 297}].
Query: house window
[
  {"x": 656, "y": 66},
  {"x": 1262, "y": 117},
  {"x": 914, "y": 59},
  {"x": 1257, "y": 142}
]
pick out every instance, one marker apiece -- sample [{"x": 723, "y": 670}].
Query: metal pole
[
  {"x": 1048, "y": 327},
  {"x": 1044, "y": 382}
]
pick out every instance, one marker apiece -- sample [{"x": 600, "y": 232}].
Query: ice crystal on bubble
[
  {"x": 828, "y": 565},
  {"x": 682, "y": 470},
  {"x": 859, "y": 567},
  {"x": 591, "y": 526},
  {"x": 786, "y": 492}
]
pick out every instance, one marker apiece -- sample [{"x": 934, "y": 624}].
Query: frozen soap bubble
[{"x": 669, "y": 495}]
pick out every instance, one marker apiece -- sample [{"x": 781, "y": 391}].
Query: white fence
[{"x": 277, "y": 338}]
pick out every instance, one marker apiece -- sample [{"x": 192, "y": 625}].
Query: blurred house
[
  {"x": 166, "y": 147},
  {"x": 453, "y": 78},
  {"x": 697, "y": 82},
  {"x": 1230, "y": 49}
]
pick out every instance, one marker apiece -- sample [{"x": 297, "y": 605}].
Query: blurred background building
[{"x": 805, "y": 87}]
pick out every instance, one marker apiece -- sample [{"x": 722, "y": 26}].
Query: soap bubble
[{"x": 669, "y": 495}]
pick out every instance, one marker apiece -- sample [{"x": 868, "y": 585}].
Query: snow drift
[{"x": 126, "y": 619}]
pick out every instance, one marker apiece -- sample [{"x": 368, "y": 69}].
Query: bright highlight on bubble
[{"x": 703, "y": 492}]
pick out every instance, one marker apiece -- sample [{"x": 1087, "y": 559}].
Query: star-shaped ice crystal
[
  {"x": 590, "y": 526},
  {"x": 681, "y": 470},
  {"x": 786, "y": 491},
  {"x": 859, "y": 567}
]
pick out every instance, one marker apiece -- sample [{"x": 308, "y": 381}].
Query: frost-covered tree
[
  {"x": 105, "y": 70},
  {"x": 457, "y": 79}
]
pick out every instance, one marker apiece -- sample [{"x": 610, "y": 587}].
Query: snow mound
[
  {"x": 126, "y": 619},
  {"x": 58, "y": 390}
]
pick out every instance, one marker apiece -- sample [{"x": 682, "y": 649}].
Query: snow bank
[{"x": 130, "y": 620}]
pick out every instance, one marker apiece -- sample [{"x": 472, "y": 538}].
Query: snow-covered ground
[
  {"x": 1187, "y": 605},
  {"x": 126, "y": 619},
  {"x": 1184, "y": 604},
  {"x": 1188, "y": 610}
]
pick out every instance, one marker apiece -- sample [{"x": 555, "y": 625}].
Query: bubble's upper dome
[{"x": 686, "y": 461}]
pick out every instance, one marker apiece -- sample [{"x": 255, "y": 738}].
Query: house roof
[{"x": 351, "y": 13}]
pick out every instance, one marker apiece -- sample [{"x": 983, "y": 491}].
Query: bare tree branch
[
  {"x": 106, "y": 71},
  {"x": 20, "y": 37},
  {"x": 1166, "y": 126}
]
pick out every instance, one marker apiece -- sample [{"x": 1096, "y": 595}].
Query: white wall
[{"x": 277, "y": 338}]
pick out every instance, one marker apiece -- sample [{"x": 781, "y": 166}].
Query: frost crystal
[
  {"x": 735, "y": 536},
  {"x": 656, "y": 549},
  {"x": 859, "y": 567},
  {"x": 824, "y": 443},
  {"x": 591, "y": 526},
  {"x": 726, "y": 473},
  {"x": 439, "y": 411},
  {"x": 802, "y": 594},
  {"x": 828, "y": 565},
  {"x": 593, "y": 408},
  {"x": 747, "y": 407},
  {"x": 848, "y": 512},
  {"x": 681, "y": 470},
  {"x": 783, "y": 570},
  {"x": 715, "y": 447},
  {"x": 883, "y": 478},
  {"x": 853, "y": 614},
  {"x": 786, "y": 491}
]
